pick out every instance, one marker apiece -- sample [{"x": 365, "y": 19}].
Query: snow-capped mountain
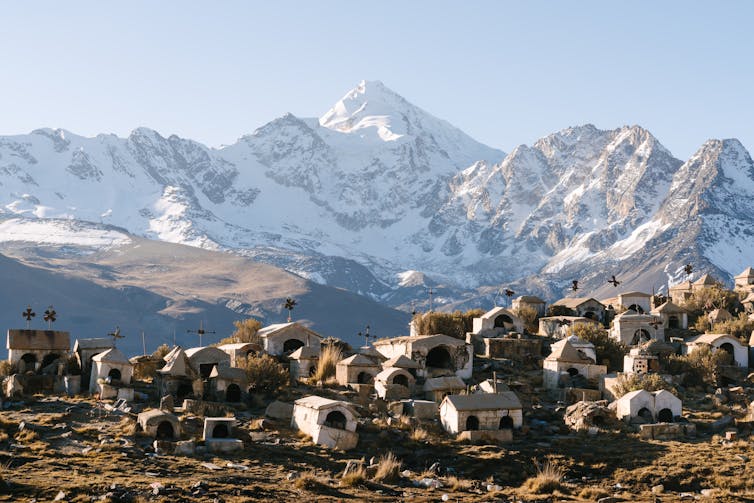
[{"x": 381, "y": 198}]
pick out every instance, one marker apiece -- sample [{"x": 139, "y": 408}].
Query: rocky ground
[{"x": 67, "y": 448}]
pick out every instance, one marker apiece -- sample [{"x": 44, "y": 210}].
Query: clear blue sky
[{"x": 504, "y": 72}]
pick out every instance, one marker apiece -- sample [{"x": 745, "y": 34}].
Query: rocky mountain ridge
[{"x": 377, "y": 188}]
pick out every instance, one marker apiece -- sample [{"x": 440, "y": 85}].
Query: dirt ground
[{"x": 60, "y": 446}]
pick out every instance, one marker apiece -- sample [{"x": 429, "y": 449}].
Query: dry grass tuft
[
  {"x": 419, "y": 435},
  {"x": 127, "y": 426},
  {"x": 26, "y": 436},
  {"x": 355, "y": 477},
  {"x": 309, "y": 481},
  {"x": 549, "y": 478},
  {"x": 328, "y": 359},
  {"x": 593, "y": 493},
  {"x": 388, "y": 468},
  {"x": 458, "y": 484}
]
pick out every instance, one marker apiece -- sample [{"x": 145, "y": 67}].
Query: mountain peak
[{"x": 372, "y": 106}]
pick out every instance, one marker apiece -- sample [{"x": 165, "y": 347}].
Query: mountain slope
[{"x": 98, "y": 278}]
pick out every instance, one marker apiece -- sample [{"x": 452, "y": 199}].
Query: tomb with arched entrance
[
  {"x": 356, "y": 371},
  {"x": 394, "y": 383},
  {"x": 330, "y": 423},
  {"x": 218, "y": 435},
  {"x": 739, "y": 353},
  {"x": 159, "y": 424},
  {"x": 496, "y": 414},
  {"x": 227, "y": 383},
  {"x": 285, "y": 338},
  {"x": 632, "y": 329},
  {"x": 645, "y": 407},
  {"x": 111, "y": 375},
  {"x": 435, "y": 355},
  {"x": 33, "y": 350}
]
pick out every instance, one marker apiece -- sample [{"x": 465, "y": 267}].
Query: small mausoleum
[
  {"x": 303, "y": 363},
  {"x": 436, "y": 355},
  {"x": 111, "y": 370},
  {"x": 394, "y": 384},
  {"x": 285, "y": 338},
  {"x": 159, "y": 424},
  {"x": 631, "y": 328},
  {"x": 356, "y": 369},
  {"x": 569, "y": 367},
  {"x": 480, "y": 411},
  {"x": 673, "y": 316},
  {"x": 330, "y": 423},
  {"x": 33, "y": 350},
  {"x": 648, "y": 407}
]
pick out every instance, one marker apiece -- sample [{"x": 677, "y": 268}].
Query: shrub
[
  {"x": 530, "y": 317},
  {"x": 266, "y": 375},
  {"x": 454, "y": 324},
  {"x": 388, "y": 468},
  {"x": 699, "y": 367},
  {"x": 246, "y": 331},
  {"x": 161, "y": 351},
  {"x": 740, "y": 327},
  {"x": 606, "y": 347},
  {"x": 712, "y": 297},
  {"x": 6, "y": 368},
  {"x": 560, "y": 311},
  {"x": 650, "y": 382},
  {"x": 329, "y": 357}
]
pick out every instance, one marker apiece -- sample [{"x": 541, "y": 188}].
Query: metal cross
[
  {"x": 50, "y": 316},
  {"x": 200, "y": 332},
  {"x": 28, "y": 314},
  {"x": 116, "y": 335},
  {"x": 366, "y": 335},
  {"x": 289, "y": 305}
]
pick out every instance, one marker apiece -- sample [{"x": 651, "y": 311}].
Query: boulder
[{"x": 279, "y": 410}]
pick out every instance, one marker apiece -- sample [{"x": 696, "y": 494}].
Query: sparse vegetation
[
  {"x": 266, "y": 375},
  {"x": 454, "y": 324},
  {"x": 632, "y": 382},
  {"x": 549, "y": 478},
  {"x": 246, "y": 331},
  {"x": 388, "y": 468},
  {"x": 712, "y": 297},
  {"x": 161, "y": 351},
  {"x": 7, "y": 369},
  {"x": 560, "y": 311},
  {"x": 530, "y": 317},
  {"x": 607, "y": 348},
  {"x": 702, "y": 366},
  {"x": 419, "y": 435},
  {"x": 329, "y": 357},
  {"x": 740, "y": 327},
  {"x": 356, "y": 476}
]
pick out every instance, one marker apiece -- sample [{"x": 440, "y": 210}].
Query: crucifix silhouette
[
  {"x": 366, "y": 335},
  {"x": 200, "y": 332},
  {"x": 28, "y": 314},
  {"x": 50, "y": 317},
  {"x": 116, "y": 335}
]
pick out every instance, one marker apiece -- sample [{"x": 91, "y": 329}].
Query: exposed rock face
[{"x": 584, "y": 415}]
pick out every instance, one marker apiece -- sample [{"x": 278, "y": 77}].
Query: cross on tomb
[
  {"x": 116, "y": 335},
  {"x": 50, "y": 317},
  {"x": 28, "y": 314},
  {"x": 200, "y": 332}
]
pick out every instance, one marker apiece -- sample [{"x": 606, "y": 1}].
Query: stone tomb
[
  {"x": 160, "y": 424},
  {"x": 218, "y": 435},
  {"x": 330, "y": 423}
]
